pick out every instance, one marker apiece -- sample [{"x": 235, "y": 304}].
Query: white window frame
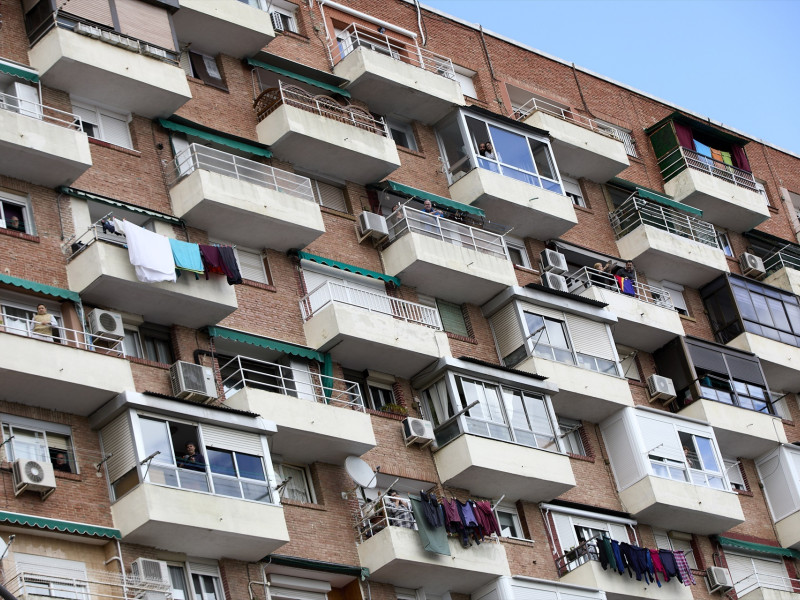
[
  {"x": 318, "y": 195},
  {"x": 202, "y": 568},
  {"x": 262, "y": 259},
  {"x": 630, "y": 369},
  {"x": 569, "y": 431},
  {"x": 19, "y": 302},
  {"x": 465, "y": 78},
  {"x": 675, "y": 291},
  {"x": 101, "y": 111},
  {"x": 572, "y": 190},
  {"x": 670, "y": 537},
  {"x": 725, "y": 243},
  {"x": 43, "y": 427},
  {"x": 404, "y": 128},
  {"x": 761, "y": 188},
  {"x": 23, "y": 202},
  {"x": 512, "y": 512},
  {"x": 288, "y": 12},
  {"x": 308, "y": 487},
  {"x": 41, "y": 571},
  {"x": 519, "y": 245},
  {"x": 734, "y": 472}
]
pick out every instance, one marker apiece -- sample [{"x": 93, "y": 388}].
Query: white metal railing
[
  {"x": 534, "y": 104},
  {"x": 62, "y": 335},
  {"x": 636, "y": 211},
  {"x": 291, "y": 95},
  {"x": 78, "y": 243},
  {"x": 778, "y": 260},
  {"x": 406, "y": 219},
  {"x": 588, "y": 276},
  {"x": 330, "y": 291},
  {"x": 210, "y": 159},
  {"x": 765, "y": 581},
  {"x": 353, "y": 37},
  {"x": 386, "y": 511},
  {"x": 241, "y": 372},
  {"x": 197, "y": 477},
  {"x": 42, "y": 112},
  {"x": 671, "y": 162}
]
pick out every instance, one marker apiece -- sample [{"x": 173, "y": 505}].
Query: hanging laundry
[
  {"x": 670, "y": 566},
  {"x": 617, "y": 553},
  {"x": 655, "y": 566},
  {"x": 471, "y": 525},
  {"x": 716, "y": 155},
  {"x": 150, "y": 254},
  {"x": 433, "y": 512},
  {"x": 109, "y": 226},
  {"x": 118, "y": 226},
  {"x": 230, "y": 265},
  {"x": 187, "y": 256},
  {"x": 727, "y": 158},
  {"x": 222, "y": 261},
  {"x": 486, "y": 517},
  {"x": 606, "y": 554},
  {"x": 434, "y": 539},
  {"x": 683, "y": 567}
]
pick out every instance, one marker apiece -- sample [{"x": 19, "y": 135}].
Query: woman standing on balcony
[{"x": 43, "y": 324}]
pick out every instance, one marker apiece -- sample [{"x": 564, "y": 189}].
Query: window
[
  {"x": 202, "y": 67},
  {"x": 675, "y": 291},
  {"x": 725, "y": 243},
  {"x": 237, "y": 474},
  {"x": 252, "y": 265},
  {"x": 45, "y": 576},
  {"x": 15, "y": 213},
  {"x": 402, "y": 134},
  {"x": 734, "y": 472},
  {"x": 148, "y": 341},
  {"x": 701, "y": 457},
  {"x": 452, "y": 318},
  {"x": 549, "y": 338},
  {"x": 295, "y": 481},
  {"x": 39, "y": 440},
  {"x": 571, "y": 438},
  {"x": 465, "y": 79},
  {"x": 573, "y": 191},
  {"x": 518, "y": 253},
  {"x": 283, "y": 16},
  {"x": 761, "y": 188},
  {"x": 329, "y": 196},
  {"x": 205, "y": 581},
  {"x": 16, "y": 312},
  {"x": 627, "y": 360},
  {"x": 104, "y": 124},
  {"x": 750, "y": 573},
  {"x": 379, "y": 396},
  {"x": 675, "y": 540},
  {"x": 510, "y": 525},
  {"x": 623, "y": 135}
]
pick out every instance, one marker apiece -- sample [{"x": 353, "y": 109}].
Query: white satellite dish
[{"x": 360, "y": 471}]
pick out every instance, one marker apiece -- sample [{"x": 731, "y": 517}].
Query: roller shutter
[
  {"x": 117, "y": 438},
  {"x": 91, "y": 10},
  {"x": 590, "y": 337},
  {"x": 507, "y": 330},
  {"x": 145, "y": 22},
  {"x": 231, "y": 439}
]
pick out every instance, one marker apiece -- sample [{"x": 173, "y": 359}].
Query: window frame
[
  {"x": 101, "y": 111},
  {"x": 317, "y": 195},
  {"x": 19, "y": 302},
  {"x": 576, "y": 197},
  {"x": 519, "y": 246},
  {"x": 570, "y": 432},
  {"x": 405, "y": 129},
  {"x": 733, "y": 471},
  {"x": 189, "y": 574},
  {"x": 152, "y": 334},
  {"x": 464, "y": 75},
  {"x": 724, "y": 242},
  {"x": 23, "y": 202},
  {"x": 308, "y": 486},
  {"x": 196, "y": 64},
  {"x": 516, "y": 522},
  {"x": 8, "y": 423}
]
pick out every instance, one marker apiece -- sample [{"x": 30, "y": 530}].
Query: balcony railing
[
  {"x": 386, "y": 511},
  {"x": 406, "y": 219},
  {"x": 291, "y": 95},
  {"x": 209, "y": 159},
  {"x": 352, "y": 37},
  {"x": 95, "y": 232},
  {"x": 241, "y": 372},
  {"x": 42, "y": 112},
  {"x": 671, "y": 163},
  {"x": 534, "y": 104},
  {"x": 765, "y": 581},
  {"x": 778, "y": 260},
  {"x": 587, "y": 276},
  {"x": 577, "y": 556},
  {"x": 63, "y": 336},
  {"x": 404, "y": 310},
  {"x": 636, "y": 211}
]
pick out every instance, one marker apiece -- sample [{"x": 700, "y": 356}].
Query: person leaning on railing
[{"x": 43, "y": 324}]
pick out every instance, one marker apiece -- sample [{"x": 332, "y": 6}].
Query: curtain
[
  {"x": 684, "y": 134},
  {"x": 740, "y": 158}
]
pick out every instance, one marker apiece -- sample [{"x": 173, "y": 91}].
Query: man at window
[
  {"x": 15, "y": 224},
  {"x": 192, "y": 459},
  {"x": 60, "y": 463}
]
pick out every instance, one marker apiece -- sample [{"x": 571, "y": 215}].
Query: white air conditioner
[
  {"x": 719, "y": 579},
  {"x": 33, "y": 476},
  {"x": 660, "y": 388},
  {"x": 105, "y": 323},
  {"x": 555, "y": 282},
  {"x": 89, "y": 30},
  {"x": 154, "y": 51},
  {"x": 417, "y": 431},
  {"x": 752, "y": 265},
  {"x": 192, "y": 382},
  {"x": 277, "y": 22},
  {"x": 372, "y": 224},
  {"x": 147, "y": 570},
  {"x": 553, "y": 262}
]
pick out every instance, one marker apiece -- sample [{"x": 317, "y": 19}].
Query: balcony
[
  {"x": 319, "y": 418},
  {"x": 666, "y": 243},
  {"x": 537, "y": 212},
  {"x": 395, "y": 77},
  {"x": 130, "y": 75},
  {"x": 583, "y": 147},
  {"x": 581, "y": 566},
  {"x": 319, "y": 134},
  {"x": 784, "y": 271},
  {"x": 41, "y": 144},
  {"x": 645, "y": 321},
  {"x": 230, "y": 27},
  {"x": 390, "y": 547},
  {"x": 780, "y": 360},
  {"x": 445, "y": 258},
  {"x": 199, "y": 524},
  {"x": 365, "y": 329},
  {"x": 727, "y": 195},
  {"x": 766, "y": 586},
  {"x": 71, "y": 372},
  {"x": 243, "y": 201},
  {"x": 780, "y": 474},
  {"x": 102, "y": 274}
]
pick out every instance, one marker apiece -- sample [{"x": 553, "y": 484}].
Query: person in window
[
  {"x": 192, "y": 459},
  {"x": 43, "y": 324},
  {"x": 691, "y": 458},
  {"x": 15, "y": 224},
  {"x": 60, "y": 463},
  {"x": 626, "y": 277}
]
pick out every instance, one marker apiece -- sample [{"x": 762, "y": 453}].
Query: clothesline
[{"x": 645, "y": 563}]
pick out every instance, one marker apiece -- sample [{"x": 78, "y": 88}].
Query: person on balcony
[
  {"x": 487, "y": 150},
  {"x": 192, "y": 459},
  {"x": 601, "y": 276},
  {"x": 398, "y": 513},
  {"x": 43, "y": 324},
  {"x": 626, "y": 277}
]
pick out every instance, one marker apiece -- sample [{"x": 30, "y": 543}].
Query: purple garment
[
  {"x": 483, "y": 510},
  {"x": 683, "y": 567},
  {"x": 670, "y": 566},
  {"x": 469, "y": 516},
  {"x": 212, "y": 260},
  {"x": 452, "y": 519}
]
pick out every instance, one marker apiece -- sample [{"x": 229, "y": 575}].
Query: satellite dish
[{"x": 360, "y": 471}]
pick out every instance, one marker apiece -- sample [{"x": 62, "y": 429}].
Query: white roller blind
[
  {"x": 231, "y": 439},
  {"x": 118, "y": 442},
  {"x": 49, "y": 566},
  {"x": 544, "y": 311},
  {"x": 507, "y": 330},
  {"x": 115, "y": 129},
  {"x": 329, "y": 196},
  {"x": 198, "y": 568},
  {"x": 660, "y": 438},
  {"x": 590, "y": 337},
  {"x": 749, "y": 572},
  {"x": 251, "y": 265},
  {"x": 278, "y": 592}
]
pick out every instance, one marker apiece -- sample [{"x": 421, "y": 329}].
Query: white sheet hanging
[{"x": 150, "y": 254}]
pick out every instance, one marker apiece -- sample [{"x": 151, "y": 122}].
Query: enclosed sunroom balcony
[
  {"x": 445, "y": 258},
  {"x": 583, "y": 147},
  {"x": 243, "y": 201},
  {"x": 666, "y": 243},
  {"x": 368, "y": 330},
  {"x": 320, "y": 134},
  {"x": 780, "y": 473},
  {"x": 395, "y": 77}
]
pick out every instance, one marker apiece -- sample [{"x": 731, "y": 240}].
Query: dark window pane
[{"x": 221, "y": 461}]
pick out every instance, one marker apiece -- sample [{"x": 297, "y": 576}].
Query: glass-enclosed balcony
[
  {"x": 446, "y": 258},
  {"x": 779, "y": 472},
  {"x": 393, "y": 76},
  {"x": 244, "y": 201},
  {"x": 666, "y": 243}
]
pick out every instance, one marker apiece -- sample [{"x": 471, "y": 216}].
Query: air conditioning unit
[
  {"x": 719, "y": 579},
  {"x": 277, "y": 22},
  {"x": 33, "y": 476},
  {"x": 417, "y": 431},
  {"x": 372, "y": 224},
  {"x": 752, "y": 265},
  {"x": 147, "y": 570},
  {"x": 660, "y": 388},
  {"x": 105, "y": 323},
  {"x": 553, "y": 262},
  {"x": 192, "y": 382},
  {"x": 555, "y": 282},
  {"x": 154, "y": 51},
  {"x": 88, "y": 30}
]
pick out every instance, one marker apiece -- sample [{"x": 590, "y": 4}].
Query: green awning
[
  {"x": 119, "y": 204},
  {"x": 439, "y": 201},
  {"x": 41, "y": 288},
  {"x": 664, "y": 201},
  {"x": 264, "y": 342},
  {"x": 20, "y": 72},
  {"x": 175, "y": 123},
  {"x": 323, "y": 86},
  {"x": 58, "y": 525},
  {"x": 349, "y": 268},
  {"x": 316, "y": 565},
  {"x": 726, "y": 542}
]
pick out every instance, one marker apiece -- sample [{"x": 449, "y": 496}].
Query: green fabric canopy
[
  {"x": 349, "y": 268},
  {"x": 316, "y": 565},
  {"x": 119, "y": 204},
  {"x": 41, "y": 288},
  {"x": 439, "y": 201},
  {"x": 20, "y": 72},
  {"x": 664, "y": 201},
  {"x": 263, "y": 342},
  {"x": 754, "y": 547},
  {"x": 319, "y": 84},
  {"x": 184, "y": 126},
  {"x": 58, "y": 525}
]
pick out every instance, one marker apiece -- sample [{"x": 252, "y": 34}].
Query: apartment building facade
[{"x": 407, "y": 213}]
